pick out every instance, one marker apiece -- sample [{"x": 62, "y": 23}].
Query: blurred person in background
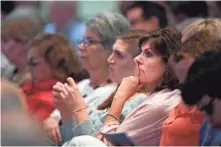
[
  {"x": 63, "y": 19},
  {"x": 15, "y": 36},
  {"x": 6, "y": 8},
  {"x": 187, "y": 12},
  {"x": 202, "y": 88},
  {"x": 214, "y": 8},
  {"x": 124, "y": 5},
  {"x": 95, "y": 48},
  {"x": 50, "y": 58},
  {"x": 201, "y": 36},
  {"x": 146, "y": 15},
  {"x": 18, "y": 128}
]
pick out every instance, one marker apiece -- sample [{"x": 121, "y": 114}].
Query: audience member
[
  {"x": 15, "y": 35},
  {"x": 175, "y": 130},
  {"x": 63, "y": 19},
  {"x": 6, "y": 8},
  {"x": 146, "y": 15},
  {"x": 209, "y": 28},
  {"x": 200, "y": 40},
  {"x": 190, "y": 9},
  {"x": 15, "y": 120},
  {"x": 50, "y": 58},
  {"x": 202, "y": 88},
  {"x": 188, "y": 12}
]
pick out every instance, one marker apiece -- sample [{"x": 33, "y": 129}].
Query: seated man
[
  {"x": 202, "y": 87},
  {"x": 146, "y": 15}
]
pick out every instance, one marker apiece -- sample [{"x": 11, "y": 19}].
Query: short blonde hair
[
  {"x": 20, "y": 29},
  {"x": 59, "y": 53},
  {"x": 209, "y": 25}
]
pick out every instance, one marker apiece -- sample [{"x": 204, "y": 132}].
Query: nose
[
  {"x": 110, "y": 59},
  {"x": 82, "y": 47},
  {"x": 138, "y": 60}
]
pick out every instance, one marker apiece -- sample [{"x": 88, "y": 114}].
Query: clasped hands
[{"x": 67, "y": 96}]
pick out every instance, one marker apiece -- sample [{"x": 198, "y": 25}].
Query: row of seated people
[{"x": 133, "y": 85}]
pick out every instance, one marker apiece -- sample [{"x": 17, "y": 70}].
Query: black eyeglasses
[
  {"x": 88, "y": 42},
  {"x": 208, "y": 108}
]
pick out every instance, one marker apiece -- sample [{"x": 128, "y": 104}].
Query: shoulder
[
  {"x": 108, "y": 87},
  {"x": 137, "y": 99},
  {"x": 84, "y": 82}
]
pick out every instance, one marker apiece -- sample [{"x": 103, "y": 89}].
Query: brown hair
[
  {"x": 20, "y": 29},
  {"x": 196, "y": 45},
  {"x": 131, "y": 40},
  {"x": 209, "y": 25},
  {"x": 165, "y": 42},
  {"x": 59, "y": 53}
]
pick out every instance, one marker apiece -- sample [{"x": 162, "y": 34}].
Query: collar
[{"x": 44, "y": 85}]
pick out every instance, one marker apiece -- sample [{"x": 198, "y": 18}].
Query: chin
[
  {"x": 143, "y": 80},
  {"x": 113, "y": 79}
]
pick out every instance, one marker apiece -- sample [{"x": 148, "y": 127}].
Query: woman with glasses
[
  {"x": 95, "y": 48},
  {"x": 50, "y": 59},
  {"x": 202, "y": 88}
]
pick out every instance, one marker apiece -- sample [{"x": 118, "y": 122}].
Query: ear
[{"x": 155, "y": 21}]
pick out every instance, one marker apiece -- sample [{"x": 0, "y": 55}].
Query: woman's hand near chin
[
  {"x": 128, "y": 86},
  {"x": 126, "y": 90}
]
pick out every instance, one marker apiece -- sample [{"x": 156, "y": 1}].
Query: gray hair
[
  {"x": 25, "y": 12},
  {"x": 109, "y": 25}
]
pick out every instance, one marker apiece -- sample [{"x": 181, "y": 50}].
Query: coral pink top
[
  {"x": 39, "y": 98},
  {"x": 182, "y": 127}
]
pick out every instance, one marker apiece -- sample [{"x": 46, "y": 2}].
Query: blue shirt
[
  {"x": 74, "y": 32},
  {"x": 209, "y": 136}
]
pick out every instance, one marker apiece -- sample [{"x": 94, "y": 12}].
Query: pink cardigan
[{"x": 144, "y": 124}]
